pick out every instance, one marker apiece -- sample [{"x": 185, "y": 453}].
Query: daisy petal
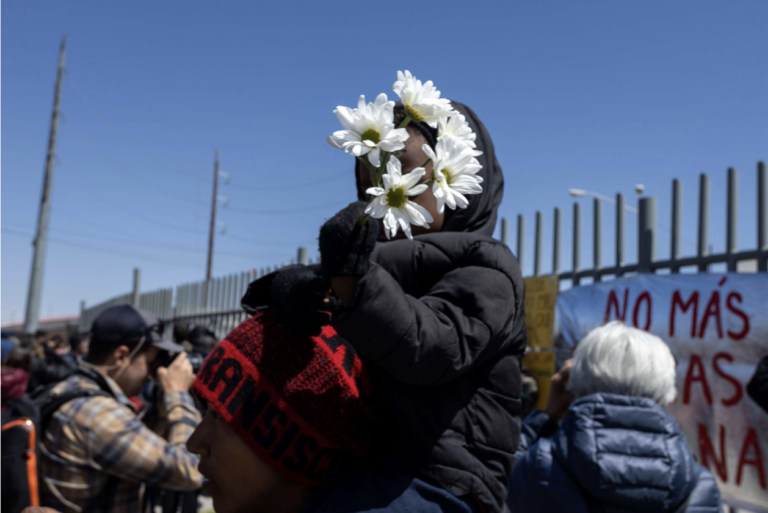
[{"x": 374, "y": 157}]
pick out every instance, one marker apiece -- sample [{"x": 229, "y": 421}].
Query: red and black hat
[{"x": 300, "y": 403}]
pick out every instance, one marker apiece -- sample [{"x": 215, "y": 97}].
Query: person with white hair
[{"x": 604, "y": 442}]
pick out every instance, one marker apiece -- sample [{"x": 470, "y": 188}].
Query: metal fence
[
  {"x": 216, "y": 303},
  {"x": 647, "y": 261}
]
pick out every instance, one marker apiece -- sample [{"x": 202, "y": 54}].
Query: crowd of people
[{"x": 387, "y": 378}]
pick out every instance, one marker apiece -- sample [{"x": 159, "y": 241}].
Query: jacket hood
[
  {"x": 480, "y": 216},
  {"x": 627, "y": 452}
]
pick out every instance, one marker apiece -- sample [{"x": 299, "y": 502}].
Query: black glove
[
  {"x": 346, "y": 246},
  {"x": 298, "y": 293}
]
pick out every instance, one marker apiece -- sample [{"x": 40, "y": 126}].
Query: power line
[
  {"x": 262, "y": 242},
  {"x": 283, "y": 211},
  {"x": 293, "y": 186},
  {"x": 22, "y": 233},
  {"x": 11, "y": 231},
  {"x": 229, "y": 235},
  {"x": 157, "y": 244},
  {"x": 117, "y": 169}
]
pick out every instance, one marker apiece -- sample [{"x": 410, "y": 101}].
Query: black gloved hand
[
  {"x": 298, "y": 292},
  {"x": 259, "y": 292},
  {"x": 345, "y": 246}
]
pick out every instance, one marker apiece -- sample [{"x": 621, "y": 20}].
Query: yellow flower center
[
  {"x": 371, "y": 135},
  {"x": 413, "y": 114},
  {"x": 396, "y": 198},
  {"x": 447, "y": 173}
]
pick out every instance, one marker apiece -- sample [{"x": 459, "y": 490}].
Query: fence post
[
  {"x": 538, "y": 249},
  {"x": 646, "y": 234},
  {"x": 732, "y": 218},
  {"x": 762, "y": 216},
  {"x": 504, "y": 231},
  {"x": 576, "y": 243},
  {"x": 81, "y": 321},
  {"x": 520, "y": 241},
  {"x": 136, "y": 287},
  {"x": 619, "y": 235},
  {"x": 703, "y": 249},
  {"x": 677, "y": 208},
  {"x": 303, "y": 256},
  {"x": 556, "y": 243},
  {"x": 597, "y": 238}
]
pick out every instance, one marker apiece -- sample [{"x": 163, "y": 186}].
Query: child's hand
[
  {"x": 300, "y": 294},
  {"x": 345, "y": 244}
]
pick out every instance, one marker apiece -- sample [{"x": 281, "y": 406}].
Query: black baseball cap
[{"x": 125, "y": 324}]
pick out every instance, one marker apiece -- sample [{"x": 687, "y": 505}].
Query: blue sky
[{"x": 598, "y": 95}]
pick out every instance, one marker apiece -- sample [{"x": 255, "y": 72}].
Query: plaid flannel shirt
[{"x": 91, "y": 438}]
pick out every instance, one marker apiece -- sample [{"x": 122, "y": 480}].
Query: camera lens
[{"x": 196, "y": 359}]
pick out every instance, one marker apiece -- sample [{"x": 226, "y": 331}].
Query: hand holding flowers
[{"x": 370, "y": 135}]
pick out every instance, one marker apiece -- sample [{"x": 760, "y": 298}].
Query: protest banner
[
  {"x": 540, "y": 302},
  {"x": 717, "y": 328}
]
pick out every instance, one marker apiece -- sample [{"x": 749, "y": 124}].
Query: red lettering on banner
[
  {"x": 750, "y": 440},
  {"x": 712, "y": 310},
  {"x": 613, "y": 301},
  {"x": 739, "y": 391},
  {"x": 739, "y": 313},
  {"x": 695, "y": 365},
  {"x": 706, "y": 451},
  {"x": 677, "y": 300},
  {"x": 645, "y": 296}
]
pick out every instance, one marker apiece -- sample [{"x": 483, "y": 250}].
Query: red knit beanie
[{"x": 298, "y": 402}]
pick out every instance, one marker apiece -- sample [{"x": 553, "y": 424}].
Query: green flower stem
[
  {"x": 405, "y": 122},
  {"x": 367, "y": 164},
  {"x": 362, "y": 220},
  {"x": 375, "y": 175},
  {"x": 426, "y": 162}
]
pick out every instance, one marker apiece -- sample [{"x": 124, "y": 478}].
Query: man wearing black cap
[{"x": 96, "y": 452}]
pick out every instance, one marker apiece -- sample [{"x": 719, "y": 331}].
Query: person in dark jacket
[
  {"x": 617, "y": 449},
  {"x": 757, "y": 388},
  {"x": 440, "y": 319}
]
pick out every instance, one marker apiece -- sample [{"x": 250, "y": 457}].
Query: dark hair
[
  {"x": 98, "y": 351},
  {"x": 74, "y": 340},
  {"x": 202, "y": 339},
  {"x": 52, "y": 368},
  {"x": 20, "y": 358},
  {"x": 180, "y": 332},
  {"x": 429, "y": 133}
]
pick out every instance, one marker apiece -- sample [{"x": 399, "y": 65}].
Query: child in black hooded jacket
[{"x": 439, "y": 319}]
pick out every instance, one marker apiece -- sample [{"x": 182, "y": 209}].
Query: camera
[{"x": 167, "y": 358}]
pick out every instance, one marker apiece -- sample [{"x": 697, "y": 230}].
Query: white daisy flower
[
  {"x": 455, "y": 173},
  {"x": 368, "y": 129},
  {"x": 391, "y": 201},
  {"x": 422, "y": 102},
  {"x": 457, "y": 126}
]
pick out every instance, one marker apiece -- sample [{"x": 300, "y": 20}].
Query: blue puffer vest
[{"x": 612, "y": 453}]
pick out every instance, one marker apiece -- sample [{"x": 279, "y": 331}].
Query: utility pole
[
  {"x": 38, "y": 258},
  {"x": 213, "y": 216}
]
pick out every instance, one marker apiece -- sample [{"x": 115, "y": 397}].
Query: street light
[{"x": 578, "y": 193}]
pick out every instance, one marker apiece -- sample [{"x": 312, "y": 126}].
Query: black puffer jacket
[{"x": 443, "y": 315}]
